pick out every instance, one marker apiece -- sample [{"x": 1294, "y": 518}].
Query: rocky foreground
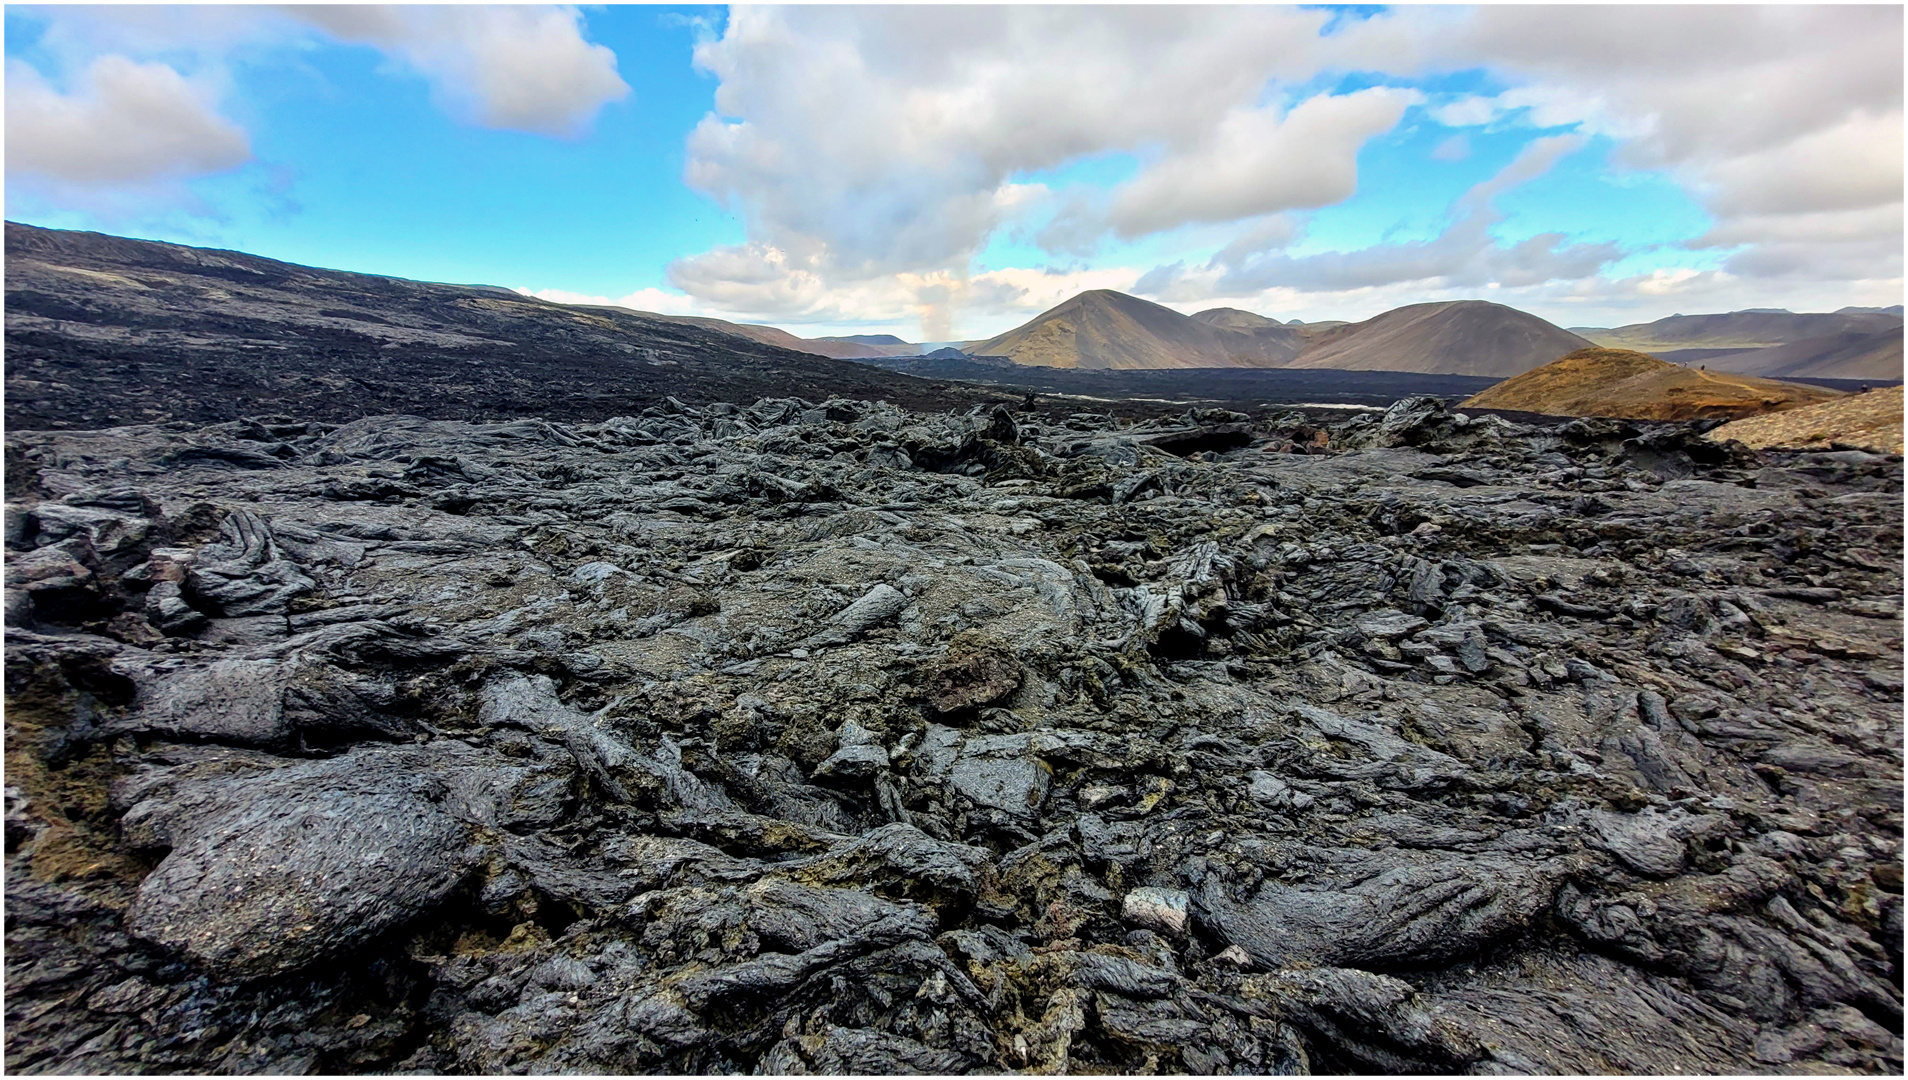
[{"x": 835, "y": 738}]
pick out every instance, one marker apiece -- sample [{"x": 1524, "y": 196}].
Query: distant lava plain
[{"x": 104, "y": 331}]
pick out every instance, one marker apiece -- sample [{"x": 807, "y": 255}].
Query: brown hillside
[
  {"x": 1832, "y": 356},
  {"x": 1232, "y": 318},
  {"x": 1464, "y": 337},
  {"x": 1103, "y": 329},
  {"x": 1741, "y": 329},
  {"x": 1621, "y": 383},
  {"x": 1871, "y": 421}
]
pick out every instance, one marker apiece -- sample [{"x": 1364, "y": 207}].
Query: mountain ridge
[
  {"x": 1746, "y": 329},
  {"x": 1102, "y": 329}
]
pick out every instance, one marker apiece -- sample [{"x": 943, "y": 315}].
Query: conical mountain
[
  {"x": 1461, "y": 337},
  {"x": 1103, "y": 329}
]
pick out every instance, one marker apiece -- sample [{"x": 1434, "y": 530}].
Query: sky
[{"x": 947, "y": 172}]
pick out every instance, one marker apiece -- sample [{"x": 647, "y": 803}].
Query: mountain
[
  {"x": 104, "y": 330},
  {"x": 1463, "y": 337},
  {"x": 1232, "y": 318},
  {"x": 1848, "y": 355},
  {"x": 1894, "y": 310},
  {"x": 1741, "y": 330},
  {"x": 1103, "y": 329},
  {"x": 1623, "y": 383},
  {"x": 839, "y": 348},
  {"x": 865, "y": 339},
  {"x": 1870, "y": 421}
]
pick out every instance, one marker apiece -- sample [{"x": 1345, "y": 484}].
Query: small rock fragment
[{"x": 1156, "y": 909}]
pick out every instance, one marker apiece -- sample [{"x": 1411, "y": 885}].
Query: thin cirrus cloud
[{"x": 138, "y": 118}]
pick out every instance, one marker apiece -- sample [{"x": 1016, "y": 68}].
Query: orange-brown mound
[
  {"x": 1632, "y": 385},
  {"x": 1871, "y": 421}
]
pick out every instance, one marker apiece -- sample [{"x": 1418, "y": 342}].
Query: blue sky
[{"x": 951, "y": 172}]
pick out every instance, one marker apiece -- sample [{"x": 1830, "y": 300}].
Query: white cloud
[
  {"x": 1537, "y": 157},
  {"x": 524, "y": 68},
  {"x": 126, "y": 125},
  {"x": 654, "y": 301},
  {"x": 1469, "y": 111},
  {"x": 517, "y": 68},
  {"x": 1853, "y": 165},
  {"x": 1255, "y": 238},
  {"x": 1464, "y": 254},
  {"x": 1260, "y": 161},
  {"x": 756, "y": 282},
  {"x": 864, "y": 144},
  {"x": 1760, "y": 111}
]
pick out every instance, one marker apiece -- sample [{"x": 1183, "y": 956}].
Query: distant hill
[
  {"x": 865, "y": 339},
  {"x": 1107, "y": 330},
  {"x": 1894, "y": 310},
  {"x": 1232, "y": 318},
  {"x": 839, "y": 348},
  {"x": 1849, "y": 355},
  {"x": 104, "y": 330},
  {"x": 1742, "y": 330},
  {"x": 1624, "y": 383},
  {"x": 1871, "y": 421},
  {"x": 1463, "y": 337}
]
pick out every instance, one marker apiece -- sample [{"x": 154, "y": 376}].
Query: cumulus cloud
[
  {"x": 1258, "y": 161},
  {"x": 518, "y": 68},
  {"x": 862, "y": 143},
  {"x": 126, "y": 124},
  {"x": 758, "y": 282},
  {"x": 1464, "y": 254},
  {"x": 1853, "y": 165},
  {"x": 521, "y": 68},
  {"x": 1761, "y": 111}
]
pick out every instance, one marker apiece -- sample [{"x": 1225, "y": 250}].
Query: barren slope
[
  {"x": 104, "y": 330},
  {"x": 1111, "y": 330},
  {"x": 1621, "y": 383},
  {"x": 1870, "y": 421},
  {"x": 1228, "y": 318},
  {"x": 839, "y": 348},
  {"x": 1739, "y": 329},
  {"x": 1465, "y": 337},
  {"x": 1849, "y": 355}
]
